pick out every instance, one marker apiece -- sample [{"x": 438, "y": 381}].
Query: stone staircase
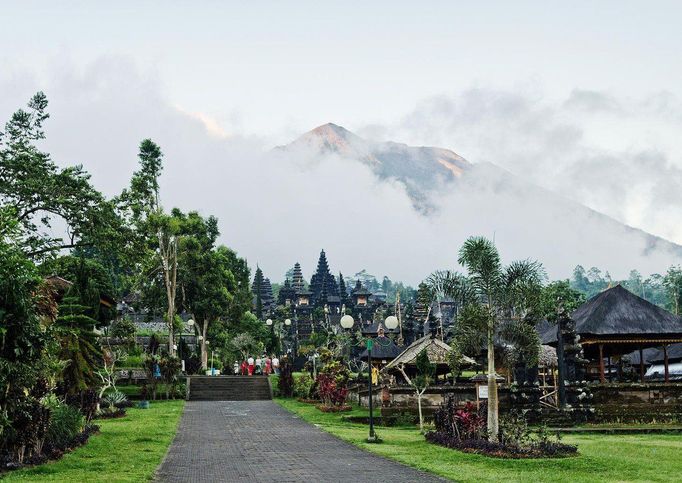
[{"x": 228, "y": 388}]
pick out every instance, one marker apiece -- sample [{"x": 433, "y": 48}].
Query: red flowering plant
[{"x": 332, "y": 384}]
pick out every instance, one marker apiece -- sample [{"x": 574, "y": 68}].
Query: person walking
[
  {"x": 259, "y": 365},
  {"x": 268, "y": 366},
  {"x": 275, "y": 365},
  {"x": 251, "y": 366},
  {"x": 235, "y": 368},
  {"x": 245, "y": 368}
]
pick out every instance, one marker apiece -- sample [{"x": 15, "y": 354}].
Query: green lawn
[
  {"x": 126, "y": 449},
  {"x": 602, "y": 457}
]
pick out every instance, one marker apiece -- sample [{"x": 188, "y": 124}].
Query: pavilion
[
  {"x": 437, "y": 351},
  {"x": 617, "y": 322}
]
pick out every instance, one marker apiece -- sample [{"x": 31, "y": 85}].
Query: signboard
[
  {"x": 370, "y": 343},
  {"x": 483, "y": 391}
]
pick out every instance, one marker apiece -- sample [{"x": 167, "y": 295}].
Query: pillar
[
  {"x": 665, "y": 363},
  {"x": 602, "y": 377},
  {"x": 641, "y": 364}
]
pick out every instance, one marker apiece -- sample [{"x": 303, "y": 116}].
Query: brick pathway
[{"x": 259, "y": 441}]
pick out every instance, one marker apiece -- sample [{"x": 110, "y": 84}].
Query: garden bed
[
  {"x": 334, "y": 409},
  {"x": 50, "y": 453},
  {"x": 500, "y": 450}
]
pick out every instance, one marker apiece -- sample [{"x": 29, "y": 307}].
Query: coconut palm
[{"x": 497, "y": 302}]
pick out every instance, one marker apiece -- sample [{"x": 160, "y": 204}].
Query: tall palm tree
[{"x": 497, "y": 301}]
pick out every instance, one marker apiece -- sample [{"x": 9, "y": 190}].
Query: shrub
[
  {"x": 330, "y": 391},
  {"x": 303, "y": 384},
  {"x": 461, "y": 423},
  {"x": 66, "y": 423},
  {"x": 115, "y": 399}
]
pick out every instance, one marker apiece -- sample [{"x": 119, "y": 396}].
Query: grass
[
  {"x": 128, "y": 449},
  {"x": 602, "y": 457}
]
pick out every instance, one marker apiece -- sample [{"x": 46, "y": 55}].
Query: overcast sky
[{"x": 582, "y": 98}]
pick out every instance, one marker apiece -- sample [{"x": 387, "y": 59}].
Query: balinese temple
[
  {"x": 323, "y": 285},
  {"x": 262, "y": 289},
  {"x": 361, "y": 308},
  {"x": 297, "y": 281},
  {"x": 617, "y": 322},
  {"x": 287, "y": 294}
]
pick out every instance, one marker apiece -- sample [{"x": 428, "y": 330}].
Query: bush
[
  {"x": 462, "y": 423},
  {"x": 303, "y": 384},
  {"x": 115, "y": 399},
  {"x": 66, "y": 423}
]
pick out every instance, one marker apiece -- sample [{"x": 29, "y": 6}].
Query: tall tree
[
  {"x": 158, "y": 233},
  {"x": 45, "y": 199},
  {"x": 673, "y": 285},
  {"x": 506, "y": 301}
]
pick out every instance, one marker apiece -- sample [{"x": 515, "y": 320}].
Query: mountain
[
  {"x": 488, "y": 199},
  {"x": 421, "y": 169}
]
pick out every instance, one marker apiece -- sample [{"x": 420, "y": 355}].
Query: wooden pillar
[
  {"x": 641, "y": 364},
  {"x": 609, "y": 366},
  {"x": 665, "y": 363},
  {"x": 602, "y": 378}
]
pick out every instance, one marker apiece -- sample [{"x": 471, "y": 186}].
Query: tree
[
  {"x": 506, "y": 301},
  {"x": 38, "y": 193},
  {"x": 421, "y": 382},
  {"x": 27, "y": 310},
  {"x": 673, "y": 285},
  {"x": 559, "y": 298},
  {"x": 92, "y": 279},
  {"x": 156, "y": 234},
  {"x": 208, "y": 288},
  {"x": 79, "y": 344}
]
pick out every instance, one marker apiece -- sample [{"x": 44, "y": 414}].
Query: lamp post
[
  {"x": 269, "y": 323},
  {"x": 287, "y": 324}
]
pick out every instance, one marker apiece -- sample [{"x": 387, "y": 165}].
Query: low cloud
[{"x": 278, "y": 208}]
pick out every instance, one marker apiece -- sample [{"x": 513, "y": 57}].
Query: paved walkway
[{"x": 259, "y": 441}]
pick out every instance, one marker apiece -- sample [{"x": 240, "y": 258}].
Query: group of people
[{"x": 261, "y": 365}]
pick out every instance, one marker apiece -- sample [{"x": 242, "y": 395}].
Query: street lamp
[
  {"x": 391, "y": 322},
  {"x": 268, "y": 322},
  {"x": 287, "y": 322}
]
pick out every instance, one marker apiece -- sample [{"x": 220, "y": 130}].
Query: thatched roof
[
  {"x": 619, "y": 312},
  {"x": 548, "y": 357},
  {"x": 383, "y": 348},
  {"x": 436, "y": 349}
]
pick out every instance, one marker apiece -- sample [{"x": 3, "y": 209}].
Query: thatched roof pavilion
[
  {"x": 616, "y": 322},
  {"x": 436, "y": 349}
]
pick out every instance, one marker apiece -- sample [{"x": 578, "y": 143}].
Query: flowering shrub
[
  {"x": 330, "y": 391},
  {"x": 462, "y": 423},
  {"x": 465, "y": 429},
  {"x": 331, "y": 384}
]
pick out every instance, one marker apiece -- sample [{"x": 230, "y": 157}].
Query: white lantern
[
  {"x": 391, "y": 322},
  {"x": 268, "y": 322},
  {"x": 347, "y": 321},
  {"x": 287, "y": 322},
  {"x": 190, "y": 322}
]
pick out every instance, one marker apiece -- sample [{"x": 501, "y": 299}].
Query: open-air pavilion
[{"x": 617, "y": 322}]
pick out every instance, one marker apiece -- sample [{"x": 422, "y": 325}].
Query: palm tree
[{"x": 497, "y": 301}]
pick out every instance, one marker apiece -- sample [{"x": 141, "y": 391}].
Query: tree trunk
[
  {"x": 419, "y": 405},
  {"x": 204, "y": 352},
  {"x": 493, "y": 423}
]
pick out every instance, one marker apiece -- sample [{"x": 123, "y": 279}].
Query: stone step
[{"x": 228, "y": 388}]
